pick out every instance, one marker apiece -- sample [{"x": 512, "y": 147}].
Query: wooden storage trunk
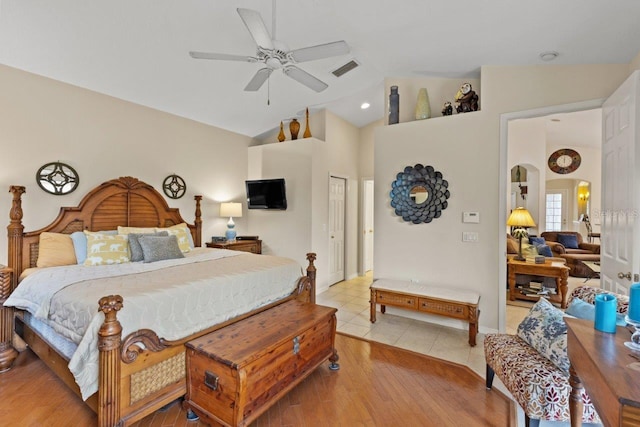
[{"x": 236, "y": 373}]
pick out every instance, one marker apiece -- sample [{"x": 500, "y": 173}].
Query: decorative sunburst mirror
[
  {"x": 419, "y": 194},
  {"x": 57, "y": 178}
]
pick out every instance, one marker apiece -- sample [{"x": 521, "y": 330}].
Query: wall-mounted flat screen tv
[{"x": 266, "y": 194}]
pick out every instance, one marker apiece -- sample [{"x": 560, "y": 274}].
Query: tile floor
[{"x": 351, "y": 298}]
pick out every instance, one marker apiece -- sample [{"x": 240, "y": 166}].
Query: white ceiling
[{"x": 137, "y": 50}]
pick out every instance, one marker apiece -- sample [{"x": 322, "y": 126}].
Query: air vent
[{"x": 345, "y": 68}]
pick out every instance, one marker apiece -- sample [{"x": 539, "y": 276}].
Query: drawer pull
[
  {"x": 296, "y": 345},
  {"x": 211, "y": 380}
]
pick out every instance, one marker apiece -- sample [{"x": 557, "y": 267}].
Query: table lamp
[
  {"x": 521, "y": 219},
  {"x": 231, "y": 210}
]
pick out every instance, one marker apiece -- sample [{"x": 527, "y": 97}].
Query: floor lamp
[{"x": 521, "y": 219}]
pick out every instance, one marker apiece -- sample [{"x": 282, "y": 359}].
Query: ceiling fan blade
[
  {"x": 305, "y": 78},
  {"x": 320, "y": 51},
  {"x": 222, "y": 56},
  {"x": 256, "y": 27},
  {"x": 258, "y": 79}
]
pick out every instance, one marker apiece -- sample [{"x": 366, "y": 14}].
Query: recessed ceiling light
[
  {"x": 365, "y": 105},
  {"x": 549, "y": 56}
]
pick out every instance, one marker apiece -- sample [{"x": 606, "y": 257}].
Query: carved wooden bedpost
[
  {"x": 15, "y": 231},
  {"x": 9, "y": 278},
  {"x": 109, "y": 338},
  {"x": 311, "y": 274},
  {"x": 7, "y": 353},
  {"x": 198, "y": 222}
]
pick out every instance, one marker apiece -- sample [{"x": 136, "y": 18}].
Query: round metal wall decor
[
  {"x": 419, "y": 194},
  {"x": 174, "y": 186},
  {"x": 57, "y": 178}
]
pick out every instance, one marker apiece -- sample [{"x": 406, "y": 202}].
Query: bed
[{"x": 138, "y": 369}]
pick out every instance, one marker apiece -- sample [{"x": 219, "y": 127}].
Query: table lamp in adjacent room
[
  {"x": 521, "y": 219},
  {"x": 231, "y": 209}
]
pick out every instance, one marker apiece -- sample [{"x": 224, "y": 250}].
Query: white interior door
[
  {"x": 337, "y": 191},
  {"x": 620, "y": 232},
  {"x": 367, "y": 226}
]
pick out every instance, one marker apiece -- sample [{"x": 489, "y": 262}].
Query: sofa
[
  {"x": 539, "y": 382},
  {"x": 570, "y": 246}
]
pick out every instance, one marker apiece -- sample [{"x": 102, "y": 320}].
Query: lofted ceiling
[{"x": 138, "y": 50}]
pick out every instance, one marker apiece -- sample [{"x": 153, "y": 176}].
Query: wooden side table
[
  {"x": 548, "y": 269},
  {"x": 253, "y": 246}
]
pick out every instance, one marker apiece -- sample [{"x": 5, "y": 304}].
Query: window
[{"x": 554, "y": 212}]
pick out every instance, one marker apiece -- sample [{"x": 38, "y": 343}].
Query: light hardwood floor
[{"x": 377, "y": 385}]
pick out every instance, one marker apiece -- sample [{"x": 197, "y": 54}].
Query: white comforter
[{"x": 174, "y": 298}]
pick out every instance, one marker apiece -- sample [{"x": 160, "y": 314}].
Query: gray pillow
[
  {"x": 158, "y": 248},
  {"x": 134, "y": 244}
]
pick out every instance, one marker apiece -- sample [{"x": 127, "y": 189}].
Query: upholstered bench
[
  {"x": 539, "y": 386},
  {"x": 454, "y": 303}
]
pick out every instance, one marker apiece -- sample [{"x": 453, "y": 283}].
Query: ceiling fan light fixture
[{"x": 365, "y": 105}]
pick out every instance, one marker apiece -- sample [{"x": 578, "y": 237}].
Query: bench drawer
[
  {"x": 444, "y": 308},
  {"x": 396, "y": 299}
]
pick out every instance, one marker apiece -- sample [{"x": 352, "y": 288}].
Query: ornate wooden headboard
[{"x": 124, "y": 201}]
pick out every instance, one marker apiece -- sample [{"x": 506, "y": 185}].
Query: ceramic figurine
[
  {"x": 466, "y": 99},
  {"x": 447, "y": 109}
]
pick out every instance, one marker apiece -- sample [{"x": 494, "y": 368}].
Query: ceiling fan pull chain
[{"x": 269, "y": 90}]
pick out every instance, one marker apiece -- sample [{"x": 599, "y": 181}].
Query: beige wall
[
  {"x": 467, "y": 149},
  {"x": 635, "y": 64},
  {"x": 42, "y": 120}
]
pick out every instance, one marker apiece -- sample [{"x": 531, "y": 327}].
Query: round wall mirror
[
  {"x": 419, "y": 194},
  {"x": 57, "y": 178}
]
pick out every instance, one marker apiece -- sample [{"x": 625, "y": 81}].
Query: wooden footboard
[{"x": 141, "y": 373}]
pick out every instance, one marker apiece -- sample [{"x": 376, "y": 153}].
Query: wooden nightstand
[{"x": 253, "y": 246}]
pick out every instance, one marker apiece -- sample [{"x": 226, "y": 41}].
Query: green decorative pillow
[
  {"x": 528, "y": 250},
  {"x": 105, "y": 249},
  {"x": 544, "y": 329},
  {"x": 158, "y": 248}
]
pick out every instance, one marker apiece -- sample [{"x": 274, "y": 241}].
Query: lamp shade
[
  {"x": 520, "y": 217},
  {"x": 231, "y": 209}
]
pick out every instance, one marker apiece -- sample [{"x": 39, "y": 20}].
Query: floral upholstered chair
[{"x": 533, "y": 365}]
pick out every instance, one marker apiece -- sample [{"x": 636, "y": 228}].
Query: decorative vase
[
  {"x": 307, "y": 131},
  {"x": 294, "y": 128},
  {"x": 394, "y": 106},
  {"x": 281, "y": 136},
  {"x": 423, "y": 110}
]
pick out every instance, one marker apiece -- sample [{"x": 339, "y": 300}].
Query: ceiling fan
[{"x": 274, "y": 54}]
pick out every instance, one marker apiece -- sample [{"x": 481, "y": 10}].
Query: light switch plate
[{"x": 469, "y": 236}]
